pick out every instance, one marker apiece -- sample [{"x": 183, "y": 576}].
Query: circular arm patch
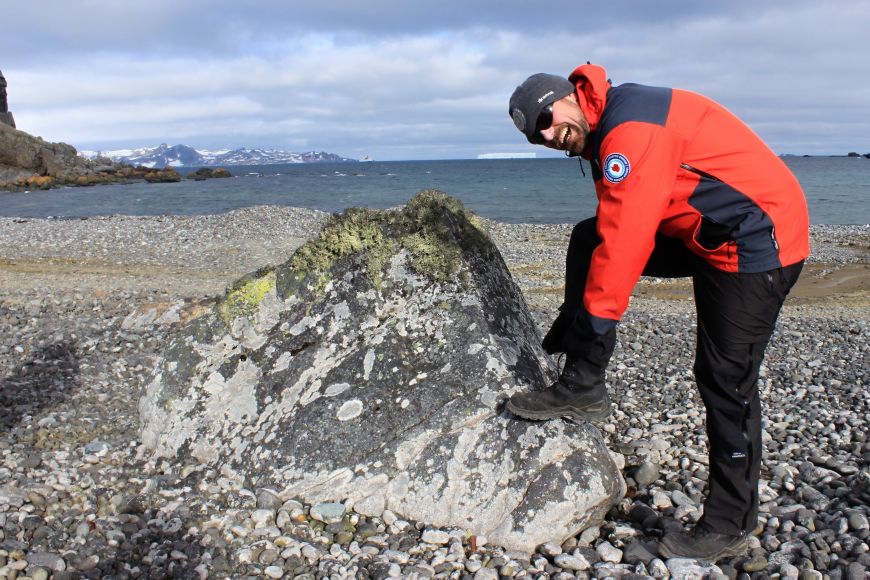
[{"x": 616, "y": 167}]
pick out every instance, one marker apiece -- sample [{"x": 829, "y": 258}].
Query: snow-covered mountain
[{"x": 183, "y": 156}]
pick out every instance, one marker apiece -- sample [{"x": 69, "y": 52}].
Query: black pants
[{"x": 736, "y": 316}]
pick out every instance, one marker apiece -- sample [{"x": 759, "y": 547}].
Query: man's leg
[
  {"x": 580, "y": 391},
  {"x": 584, "y": 239},
  {"x": 669, "y": 259},
  {"x": 736, "y": 317}
]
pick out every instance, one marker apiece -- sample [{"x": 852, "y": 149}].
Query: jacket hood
[{"x": 591, "y": 84}]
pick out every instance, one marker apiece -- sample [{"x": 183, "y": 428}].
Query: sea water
[{"x": 509, "y": 190}]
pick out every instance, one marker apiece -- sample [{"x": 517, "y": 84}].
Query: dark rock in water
[
  {"x": 167, "y": 175},
  {"x": 209, "y": 173},
  {"x": 370, "y": 369}
]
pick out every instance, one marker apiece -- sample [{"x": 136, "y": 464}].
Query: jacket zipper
[{"x": 697, "y": 171}]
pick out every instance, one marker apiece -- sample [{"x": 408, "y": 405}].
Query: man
[{"x": 684, "y": 189}]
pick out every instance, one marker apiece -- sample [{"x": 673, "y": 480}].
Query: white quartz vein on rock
[{"x": 350, "y": 410}]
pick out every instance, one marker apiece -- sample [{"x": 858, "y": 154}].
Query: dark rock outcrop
[
  {"x": 371, "y": 368},
  {"x": 6, "y": 117},
  {"x": 167, "y": 175},
  {"x": 4, "y": 103},
  {"x": 28, "y": 162},
  {"x": 209, "y": 173}
]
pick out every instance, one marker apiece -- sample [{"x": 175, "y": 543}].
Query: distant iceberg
[{"x": 506, "y": 156}]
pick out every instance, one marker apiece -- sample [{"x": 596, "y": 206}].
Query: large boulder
[{"x": 371, "y": 368}]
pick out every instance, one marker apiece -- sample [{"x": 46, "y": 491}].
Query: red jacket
[{"x": 674, "y": 162}]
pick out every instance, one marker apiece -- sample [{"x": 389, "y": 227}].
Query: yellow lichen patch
[
  {"x": 378, "y": 256},
  {"x": 245, "y": 296},
  {"x": 432, "y": 257},
  {"x": 436, "y": 221},
  {"x": 428, "y": 227},
  {"x": 357, "y": 230},
  {"x": 420, "y": 207}
]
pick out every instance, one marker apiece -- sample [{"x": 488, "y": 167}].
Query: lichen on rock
[
  {"x": 420, "y": 228},
  {"x": 427, "y": 233},
  {"x": 370, "y": 368},
  {"x": 244, "y": 297},
  {"x": 358, "y": 230}
]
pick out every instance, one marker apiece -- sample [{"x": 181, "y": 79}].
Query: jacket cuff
[{"x": 589, "y": 326}]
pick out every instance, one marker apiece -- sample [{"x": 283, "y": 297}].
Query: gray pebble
[
  {"x": 858, "y": 521},
  {"x": 486, "y": 574},
  {"x": 608, "y": 553},
  {"x": 438, "y": 537},
  {"x": 572, "y": 562},
  {"x": 646, "y": 473},
  {"x": 328, "y": 512}
]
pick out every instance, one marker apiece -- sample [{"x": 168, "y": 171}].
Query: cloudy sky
[{"x": 399, "y": 79}]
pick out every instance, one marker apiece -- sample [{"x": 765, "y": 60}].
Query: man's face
[{"x": 569, "y": 129}]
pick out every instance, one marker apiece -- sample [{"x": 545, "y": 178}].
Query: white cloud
[{"x": 381, "y": 79}]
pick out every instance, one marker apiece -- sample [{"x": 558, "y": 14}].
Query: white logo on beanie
[{"x": 548, "y": 94}]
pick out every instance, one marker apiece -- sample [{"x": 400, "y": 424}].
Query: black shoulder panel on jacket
[{"x": 633, "y": 102}]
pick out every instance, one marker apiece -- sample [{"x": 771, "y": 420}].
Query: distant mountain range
[{"x": 183, "y": 156}]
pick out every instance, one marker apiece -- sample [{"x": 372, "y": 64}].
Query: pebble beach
[{"x": 86, "y": 306}]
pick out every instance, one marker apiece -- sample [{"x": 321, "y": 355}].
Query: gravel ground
[{"x": 86, "y": 306}]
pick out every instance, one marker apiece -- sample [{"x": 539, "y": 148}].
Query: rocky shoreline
[
  {"x": 87, "y": 305},
  {"x": 28, "y": 163}
]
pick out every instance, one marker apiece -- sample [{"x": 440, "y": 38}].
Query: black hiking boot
[
  {"x": 579, "y": 394},
  {"x": 702, "y": 543}
]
